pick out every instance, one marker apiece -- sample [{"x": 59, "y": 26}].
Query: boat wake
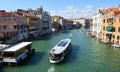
[{"x": 51, "y": 69}]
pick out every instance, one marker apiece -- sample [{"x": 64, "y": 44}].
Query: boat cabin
[
  {"x": 16, "y": 53},
  {"x": 58, "y": 53}
]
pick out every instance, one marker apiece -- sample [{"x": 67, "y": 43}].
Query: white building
[
  {"x": 83, "y": 21},
  {"x": 45, "y": 20},
  {"x": 97, "y": 24}
]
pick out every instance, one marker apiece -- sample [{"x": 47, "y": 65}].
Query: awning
[{"x": 109, "y": 28}]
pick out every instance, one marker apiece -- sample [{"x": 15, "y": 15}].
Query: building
[
  {"x": 68, "y": 24},
  {"x": 56, "y": 23},
  {"x": 97, "y": 24},
  {"x": 45, "y": 23},
  {"x": 22, "y": 26},
  {"x": 111, "y": 26},
  {"x": 13, "y": 27},
  {"x": 59, "y": 23},
  {"x": 85, "y": 23},
  {"x": 91, "y": 24},
  {"x": 32, "y": 23}
]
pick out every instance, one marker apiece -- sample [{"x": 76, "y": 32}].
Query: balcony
[{"x": 110, "y": 23}]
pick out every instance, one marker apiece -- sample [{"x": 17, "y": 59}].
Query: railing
[
  {"x": 109, "y": 32},
  {"x": 110, "y": 23}
]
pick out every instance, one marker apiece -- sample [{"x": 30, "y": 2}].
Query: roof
[
  {"x": 61, "y": 46},
  {"x": 111, "y": 9},
  {"x": 118, "y": 15},
  {"x": 17, "y": 47},
  {"x": 7, "y": 14},
  {"x": 2, "y": 46},
  {"x": 2, "y": 11}
]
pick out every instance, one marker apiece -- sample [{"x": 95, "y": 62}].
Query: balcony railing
[
  {"x": 108, "y": 32},
  {"x": 110, "y": 23}
]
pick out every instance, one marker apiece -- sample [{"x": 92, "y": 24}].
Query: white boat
[
  {"x": 17, "y": 53},
  {"x": 71, "y": 34},
  {"x": 60, "y": 50},
  {"x": 2, "y": 46},
  {"x": 115, "y": 45},
  {"x": 105, "y": 42}
]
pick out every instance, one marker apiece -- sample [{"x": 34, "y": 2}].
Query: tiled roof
[
  {"x": 2, "y": 11},
  {"x": 117, "y": 14},
  {"x": 6, "y": 14},
  {"x": 18, "y": 14},
  {"x": 111, "y": 9},
  {"x": 82, "y": 18},
  {"x": 25, "y": 14}
]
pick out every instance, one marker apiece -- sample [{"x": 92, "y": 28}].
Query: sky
[{"x": 64, "y": 8}]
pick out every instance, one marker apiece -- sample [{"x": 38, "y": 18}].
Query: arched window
[
  {"x": 103, "y": 20},
  {"x": 113, "y": 36},
  {"x": 118, "y": 37},
  {"x": 103, "y": 28},
  {"x": 119, "y": 29}
]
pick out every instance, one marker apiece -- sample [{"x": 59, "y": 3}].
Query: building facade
[
  {"x": 84, "y": 23},
  {"x": 68, "y": 24},
  {"x": 56, "y": 23},
  {"x": 32, "y": 23},
  {"x": 111, "y": 24},
  {"x": 45, "y": 23},
  {"x": 97, "y": 24},
  {"x": 13, "y": 27}
]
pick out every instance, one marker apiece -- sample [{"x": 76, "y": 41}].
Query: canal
[{"x": 87, "y": 55}]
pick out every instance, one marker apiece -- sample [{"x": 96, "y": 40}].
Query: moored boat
[
  {"x": 105, "y": 42},
  {"x": 58, "y": 53},
  {"x": 115, "y": 46},
  {"x": 17, "y": 53}
]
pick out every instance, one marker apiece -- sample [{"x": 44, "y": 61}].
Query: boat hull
[{"x": 56, "y": 61}]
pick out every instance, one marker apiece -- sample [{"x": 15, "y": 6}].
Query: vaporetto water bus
[
  {"x": 60, "y": 50},
  {"x": 17, "y": 53}
]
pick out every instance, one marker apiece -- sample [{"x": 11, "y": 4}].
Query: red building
[{"x": 10, "y": 26}]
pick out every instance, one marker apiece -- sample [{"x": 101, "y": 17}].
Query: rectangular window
[
  {"x": 119, "y": 29},
  {"x": 15, "y": 26},
  {"x": 119, "y": 19},
  {"x": 9, "y": 19},
  {"x": 14, "y": 19},
  {"x": 113, "y": 29},
  {"x": 114, "y": 19},
  {"x": 112, "y": 14},
  {"x": 110, "y": 20},
  {"x": 4, "y": 20},
  {"x": 4, "y": 27},
  {"x": 103, "y": 20},
  {"x": 103, "y": 28}
]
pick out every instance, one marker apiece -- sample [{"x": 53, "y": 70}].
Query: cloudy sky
[{"x": 65, "y": 8}]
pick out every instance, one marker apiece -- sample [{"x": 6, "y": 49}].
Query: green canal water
[{"x": 87, "y": 55}]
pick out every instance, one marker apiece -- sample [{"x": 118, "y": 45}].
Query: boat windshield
[
  {"x": 63, "y": 43},
  {"x": 9, "y": 54},
  {"x": 56, "y": 56}
]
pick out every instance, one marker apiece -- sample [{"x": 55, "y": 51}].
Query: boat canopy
[
  {"x": 63, "y": 43},
  {"x": 61, "y": 46},
  {"x": 17, "y": 47}
]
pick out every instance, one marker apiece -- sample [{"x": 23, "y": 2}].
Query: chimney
[
  {"x": 99, "y": 10},
  {"x": 119, "y": 8}
]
